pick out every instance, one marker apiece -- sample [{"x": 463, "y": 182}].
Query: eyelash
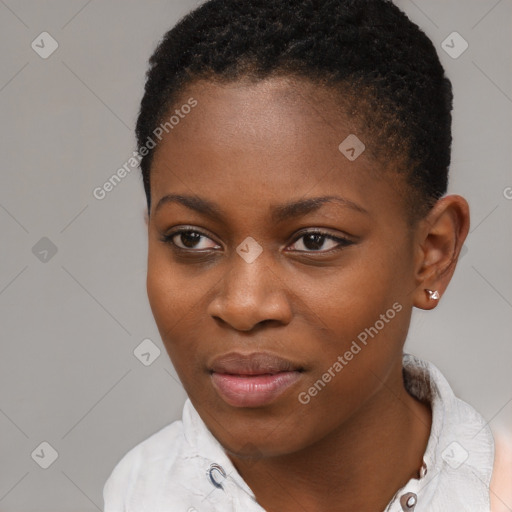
[{"x": 341, "y": 241}]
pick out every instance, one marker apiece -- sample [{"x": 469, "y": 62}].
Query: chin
[{"x": 245, "y": 443}]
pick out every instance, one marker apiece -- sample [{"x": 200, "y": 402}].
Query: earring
[{"x": 433, "y": 294}]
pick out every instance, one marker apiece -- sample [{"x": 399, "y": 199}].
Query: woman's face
[{"x": 253, "y": 305}]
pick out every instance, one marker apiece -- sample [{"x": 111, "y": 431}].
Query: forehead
[{"x": 269, "y": 139}]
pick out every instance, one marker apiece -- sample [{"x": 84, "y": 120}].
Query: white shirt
[{"x": 182, "y": 467}]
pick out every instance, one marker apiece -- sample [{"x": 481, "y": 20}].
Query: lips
[
  {"x": 257, "y": 363},
  {"x": 252, "y": 380}
]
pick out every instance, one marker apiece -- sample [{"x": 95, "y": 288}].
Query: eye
[
  {"x": 309, "y": 242},
  {"x": 189, "y": 239},
  {"x": 318, "y": 241}
]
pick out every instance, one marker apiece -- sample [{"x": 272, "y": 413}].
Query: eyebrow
[
  {"x": 279, "y": 213},
  {"x": 305, "y": 206}
]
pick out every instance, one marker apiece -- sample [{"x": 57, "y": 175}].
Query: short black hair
[{"x": 380, "y": 65}]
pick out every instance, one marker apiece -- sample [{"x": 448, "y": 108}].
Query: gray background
[{"x": 70, "y": 323}]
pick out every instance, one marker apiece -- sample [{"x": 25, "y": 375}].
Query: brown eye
[
  {"x": 319, "y": 242},
  {"x": 188, "y": 239}
]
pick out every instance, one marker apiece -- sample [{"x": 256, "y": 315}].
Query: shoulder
[
  {"x": 501, "y": 497},
  {"x": 142, "y": 464}
]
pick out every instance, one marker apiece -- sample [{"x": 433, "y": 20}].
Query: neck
[{"x": 359, "y": 466}]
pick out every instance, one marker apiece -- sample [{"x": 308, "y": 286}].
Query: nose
[{"x": 251, "y": 294}]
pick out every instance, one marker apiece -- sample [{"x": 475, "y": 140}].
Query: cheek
[
  {"x": 172, "y": 290},
  {"x": 171, "y": 304},
  {"x": 162, "y": 288},
  {"x": 355, "y": 296},
  {"x": 365, "y": 313},
  {"x": 170, "y": 295},
  {"x": 177, "y": 298}
]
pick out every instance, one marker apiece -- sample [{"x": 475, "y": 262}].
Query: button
[
  {"x": 408, "y": 501},
  {"x": 423, "y": 470}
]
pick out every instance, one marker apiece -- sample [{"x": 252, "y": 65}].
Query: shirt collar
[
  {"x": 460, "y": 443},
  {"x": 460, "y": 451}
]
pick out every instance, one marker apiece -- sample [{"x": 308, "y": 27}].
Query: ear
[{"x": 438, "y": 245}]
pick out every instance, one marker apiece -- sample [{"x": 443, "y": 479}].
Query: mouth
[{"x": 253, "y": 380}]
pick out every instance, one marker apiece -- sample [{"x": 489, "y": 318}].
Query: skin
[
  {"x": 247, "y": 147},
  {"x": 501, "y": 491}
]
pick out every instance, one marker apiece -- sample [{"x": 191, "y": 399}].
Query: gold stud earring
[{"x": 433, "y": 294}]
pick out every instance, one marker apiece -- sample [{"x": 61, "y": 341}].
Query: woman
[{"x": 295, "y": 159}]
